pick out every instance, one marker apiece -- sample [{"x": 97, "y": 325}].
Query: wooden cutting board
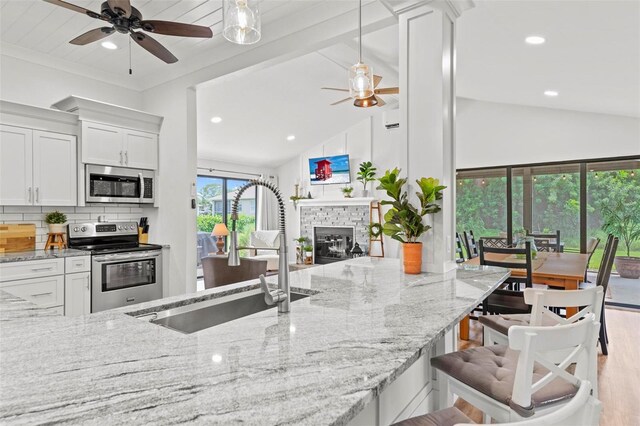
[{"x": 17, "y": 237}]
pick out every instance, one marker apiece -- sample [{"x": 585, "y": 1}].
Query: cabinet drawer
[
  {"x": 77, "y": 264},
  {"x": 30, "y": 269},
  {"x": 47, "y": 292}
]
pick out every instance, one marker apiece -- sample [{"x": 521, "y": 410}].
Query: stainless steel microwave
[{"x": 105, "y": 184}]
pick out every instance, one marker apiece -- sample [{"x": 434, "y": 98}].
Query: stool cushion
[
  {"x": 447, "y": 417},
  {"x": 491, "y": 371},
  {"x": 501, "y": 323}
]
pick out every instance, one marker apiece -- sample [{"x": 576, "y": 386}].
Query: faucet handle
[{"x": 271, "y": 297}]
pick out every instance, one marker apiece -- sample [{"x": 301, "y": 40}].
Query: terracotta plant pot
[
  {"x": 628, "y": 267},
  {"x": 412, "y": 258}
]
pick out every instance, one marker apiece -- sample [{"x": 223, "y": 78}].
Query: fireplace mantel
[{"x": 356, "y": 201}]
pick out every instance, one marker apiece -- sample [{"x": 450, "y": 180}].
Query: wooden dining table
[{"x": 564, "y": 270}]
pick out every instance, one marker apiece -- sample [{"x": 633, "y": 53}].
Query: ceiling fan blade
[
  {"x": 376, "y": 80},
  {"x": 334, "y": 88},
  {"x": 92, "y": 35},
  {"x": 387, "y": 91},
  {"x": 380, "y": 101},
  {"x": 76, "y": 9},
  {"x": 176, "y": 29},
  {"x": 153, "y": 47},
  {"x": 339, "y": 102},
  {"x": 120, "y": 7}
]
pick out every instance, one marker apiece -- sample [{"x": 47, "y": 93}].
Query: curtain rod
[{"x": 211, "y": 170}]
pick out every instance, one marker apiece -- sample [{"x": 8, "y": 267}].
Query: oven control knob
[
  {"x": 132, "y": 227},
  {"x": 84, "y": 228},
  {"x": 76, "y": 229},
  {"x": 119, "y": 228}
]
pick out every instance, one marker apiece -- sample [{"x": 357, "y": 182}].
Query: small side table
[{"x": 55, "y": 239}]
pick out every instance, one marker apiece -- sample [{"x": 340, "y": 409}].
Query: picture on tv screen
[{"x": 329, "y": 170}]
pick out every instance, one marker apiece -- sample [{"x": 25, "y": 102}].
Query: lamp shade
[
  {"x": 220, "y": 230},
  {"x": 242, "y": 21},
  {"x": 360, "y": 81}
]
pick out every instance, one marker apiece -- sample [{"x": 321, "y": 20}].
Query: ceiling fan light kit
[
  {"x": 242, "y": 21},
  {"x": 366, "y": 103}
]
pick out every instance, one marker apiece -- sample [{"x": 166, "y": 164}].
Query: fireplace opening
[{"x": 332, "y": 243}]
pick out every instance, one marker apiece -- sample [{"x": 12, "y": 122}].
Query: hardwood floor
[{"x": 618, "y": 373}]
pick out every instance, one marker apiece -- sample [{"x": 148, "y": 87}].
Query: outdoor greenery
[
  {"x": 403, "y": 222},
  {"x": 245, "y": 225},
  {"x": 481, "y": 205},
  {"x": 207, "y": 196}
]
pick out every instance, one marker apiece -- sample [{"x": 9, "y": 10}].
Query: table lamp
[{"x": 220, "y": 231}]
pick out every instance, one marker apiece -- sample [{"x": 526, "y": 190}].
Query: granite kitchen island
[{"x": 328, "y": 361}]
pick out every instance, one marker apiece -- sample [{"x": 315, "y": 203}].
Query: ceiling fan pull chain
[{"x": 130, "y": 71}]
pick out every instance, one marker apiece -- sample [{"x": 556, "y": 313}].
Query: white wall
[
  {"x": 33, "y": 84},
  {"x": 367, "y": 140},
  {"x": 493, "y": 134}
]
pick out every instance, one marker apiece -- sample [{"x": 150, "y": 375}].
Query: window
[{"x": 481, "y": 202}]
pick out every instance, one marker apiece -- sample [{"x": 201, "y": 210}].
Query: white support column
[{"x": 427, "y": 114}]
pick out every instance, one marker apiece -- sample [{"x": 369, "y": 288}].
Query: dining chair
[
  {"x": 510, "y": 300},
  {"x": 470, "y": 244},
  {"x": 602, "y": 280},
  {"x": 544, "y": 241},
  {"x": 524, "y": 379},
  {"x": 459, "y": 253},
  {"x": 217, "y": 272},
  {"x": 582, "y": 409},
  {"x": 592, "y": 245}
]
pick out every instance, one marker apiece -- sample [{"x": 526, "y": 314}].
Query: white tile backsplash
[{"x": 35, "y": 215}]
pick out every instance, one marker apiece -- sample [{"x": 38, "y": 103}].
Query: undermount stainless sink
[{"x": 209, "y": 313}]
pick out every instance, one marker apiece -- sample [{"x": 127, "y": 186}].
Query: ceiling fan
[
  {"x": 372, "y": 100},
  {"x": 126, "y": 19}
]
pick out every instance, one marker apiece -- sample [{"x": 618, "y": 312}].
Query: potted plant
[
  {"x": 403, "y": 222},
  {"x": 366, "y": 174},
  {"x": 623, "y": 221},
  {"x": 308, "y": 253},
  {"x": 56, "y": 221},
  {"x": 300, "y": 241},
  {"x": 347, "y": 190}
]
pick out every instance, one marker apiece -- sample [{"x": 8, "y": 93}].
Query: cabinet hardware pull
[
  {"x": 29, "y": 194},
  {"x": 42, "y": 269},
  {"x": 37, "y": 194},
  {"x": 41, "y": 294},
  {"x": 121, "y": 161},
  {"x": 126, "y": 158}
]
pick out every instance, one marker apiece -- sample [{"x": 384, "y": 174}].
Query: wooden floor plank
[{"x": 618, "y": 373}]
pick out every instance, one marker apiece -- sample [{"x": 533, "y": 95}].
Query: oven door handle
[{"x": 117, "y": 257}]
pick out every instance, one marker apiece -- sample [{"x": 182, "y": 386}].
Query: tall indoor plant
[
  {"x": 366, "y": 174},
  {"x": 623, "y": 221},
  {"x": 403, "y": 222}
]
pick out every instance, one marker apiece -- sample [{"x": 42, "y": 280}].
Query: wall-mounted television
[{"x": 329, "y": 170}]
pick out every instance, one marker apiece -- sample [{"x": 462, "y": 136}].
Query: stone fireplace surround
[{"x": 356, "y": 215}]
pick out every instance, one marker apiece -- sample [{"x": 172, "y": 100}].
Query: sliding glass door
[{"x": 481, "y": 202}]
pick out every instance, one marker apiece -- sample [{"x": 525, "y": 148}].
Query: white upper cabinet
[
  {"x": 108, "y": 145},
  {"x": 102, "y": 144},
  {"x": 141, "y": 149},
  {"x": 37, "y": 168},
  {"x": 16, "y": 166},
  {"x": 54, "y": 169}
]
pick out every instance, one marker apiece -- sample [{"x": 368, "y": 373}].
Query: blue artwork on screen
[{"x": 328, "y": 170}]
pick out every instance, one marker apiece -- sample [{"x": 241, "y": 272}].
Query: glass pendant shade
[
  {"x": 361, "y": 81},
  {"x": 241, "y": 21}
]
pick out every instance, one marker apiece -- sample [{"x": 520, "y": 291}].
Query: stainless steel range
[{"x": 123, "y": 271}]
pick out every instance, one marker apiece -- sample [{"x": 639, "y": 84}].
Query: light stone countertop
[
  {"x": 22, "y": 256},
  {"x": 319, "y": 364}
]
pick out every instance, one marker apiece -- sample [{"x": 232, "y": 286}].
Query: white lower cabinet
[
  {"x": 63, "y": 284},
  {"x": 77, "y": 294}
]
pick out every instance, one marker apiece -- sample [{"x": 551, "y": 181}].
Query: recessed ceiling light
[
  {"x": 534, "y": 39},
  {"x": 291, "y": 137},
  {"x": 216, "y": 120},
  {"x": 109, "y": 45},
  {"x": 550, "y": 93}
]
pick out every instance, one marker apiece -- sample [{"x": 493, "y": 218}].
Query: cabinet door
[
  {"x": 141, "y": 150},
  {"x": 77, "y": 294},
  {"x": 16, "y": 168},
  {"x": 102, "y": 144},
  {"x": 54, "y": 169}
]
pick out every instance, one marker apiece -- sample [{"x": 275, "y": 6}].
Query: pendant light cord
[
  {"x": 360, "y": 31},
  {"x": 130, "y": 70}
]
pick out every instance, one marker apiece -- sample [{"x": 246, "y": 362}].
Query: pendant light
[
  {"x": 360, "y": 74},
  {"x": 241, "y": 21}
]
